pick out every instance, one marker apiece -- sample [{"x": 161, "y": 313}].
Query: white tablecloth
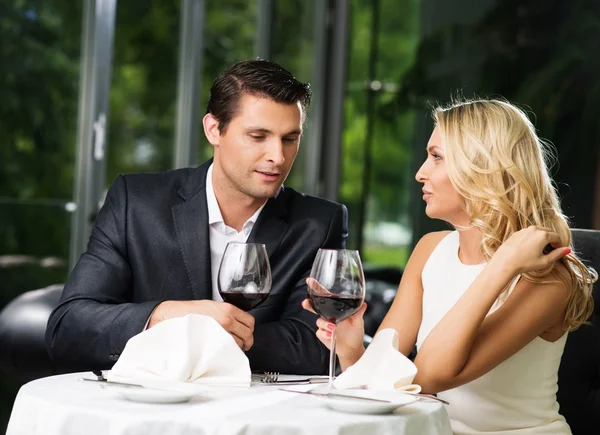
[{"x": 63, "y": 405}]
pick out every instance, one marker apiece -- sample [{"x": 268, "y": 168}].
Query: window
[
  {"x": 144, "y": 88},
  {"x": 376, "y": 177}
]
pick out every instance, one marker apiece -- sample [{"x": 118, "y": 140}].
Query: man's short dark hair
[{"x": 260, "y": 78}]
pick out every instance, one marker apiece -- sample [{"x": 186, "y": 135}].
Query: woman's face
[{"x": 443, "y": 201}]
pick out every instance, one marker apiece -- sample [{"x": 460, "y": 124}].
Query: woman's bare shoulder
[
  {"x": 430, "y": 240},
  {"x": 427, "y": 244}
]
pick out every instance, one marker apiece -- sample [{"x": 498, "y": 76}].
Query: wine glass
[
  {"x": 337, "y": 290},
  {"x": 244, "y": 277}
]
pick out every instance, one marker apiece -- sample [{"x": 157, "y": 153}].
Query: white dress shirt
[{"x": 220, "y": 234}]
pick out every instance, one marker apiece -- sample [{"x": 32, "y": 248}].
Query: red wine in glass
[
  {"x": 336, "y": 289},
  {"x": 244, "y": 278},
  {"x": 244, "y": 301},
  {"x": 335, "y": 308}
]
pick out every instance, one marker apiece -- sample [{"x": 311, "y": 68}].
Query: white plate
[
  {"x": 181, "y": 392},
  {"x": 146, "y": 395},
  {"x": 355, "y": 406}
]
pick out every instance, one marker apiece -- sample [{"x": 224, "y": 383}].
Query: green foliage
[
  {"x": 39, "y": 71},
  {"x": 38, "y": 89},
  {"x": 386, "y": 256},
  {"x": 393, "y": 129},
  {"x": 143, "y": 94},
  {"x": 230, "y": 34},
  {"x": 143, "y": 87}
]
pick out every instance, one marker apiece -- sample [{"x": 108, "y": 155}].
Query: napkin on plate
[
  {"x": 382, "y": 367},
  {"x": 192, "y": 349}
]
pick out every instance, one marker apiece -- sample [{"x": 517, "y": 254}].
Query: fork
[
  {"x": 273, "y": 378},
  {"x": 269, "y": 377},
  {"x": 429, "y": 396},
  {"x": 413, "y": 393}
]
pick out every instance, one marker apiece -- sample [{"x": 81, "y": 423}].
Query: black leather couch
[
  {"x": 22, "y": 334},
  {"x": 23, "y": 353}
]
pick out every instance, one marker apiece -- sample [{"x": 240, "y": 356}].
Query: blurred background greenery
[{"x": 403, "y": 55}]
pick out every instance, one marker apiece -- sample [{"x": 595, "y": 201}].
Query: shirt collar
[{"x": 214, "y": 212}]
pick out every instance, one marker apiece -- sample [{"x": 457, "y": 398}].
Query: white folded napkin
[
  {"x": 382, "y": 367},
  {"x": 193, "y": 349}
]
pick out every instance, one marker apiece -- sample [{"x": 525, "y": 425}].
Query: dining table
[{"x": 66, "y": 405}]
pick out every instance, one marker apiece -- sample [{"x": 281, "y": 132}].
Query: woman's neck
[{"x": 469, "y": 246}]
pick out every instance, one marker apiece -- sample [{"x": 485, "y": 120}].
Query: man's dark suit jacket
[{"x": 150, "y": 244}]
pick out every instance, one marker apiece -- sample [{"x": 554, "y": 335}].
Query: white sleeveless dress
[{"x": 518, "y": 397}]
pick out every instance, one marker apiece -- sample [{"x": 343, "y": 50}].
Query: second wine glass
[
  {"x": 336, "y": 289},
  {"x": 244, "y": 277}
]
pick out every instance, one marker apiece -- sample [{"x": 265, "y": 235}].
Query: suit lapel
[
  {"x": 191, "y": 226},
  {"x": 270, "y": 226}
]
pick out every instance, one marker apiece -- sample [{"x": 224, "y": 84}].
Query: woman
[{"x": 488, "y": 305}]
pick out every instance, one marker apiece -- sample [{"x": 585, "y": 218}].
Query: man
[{"x": 155, "y": 250}]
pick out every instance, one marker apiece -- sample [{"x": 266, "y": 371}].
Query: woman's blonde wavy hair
[{"x": 497, "y": 163}]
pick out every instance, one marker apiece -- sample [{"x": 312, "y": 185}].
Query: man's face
[{"x": 256, "y": 151}]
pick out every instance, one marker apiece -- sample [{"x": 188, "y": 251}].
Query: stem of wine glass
[{"x": 332, "y": 360}]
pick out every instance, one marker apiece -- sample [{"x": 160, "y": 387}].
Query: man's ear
[{"x": 211, "y": 129}]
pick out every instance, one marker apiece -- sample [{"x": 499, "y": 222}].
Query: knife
[
  {"x": 103, "y": 382},
  {"x": 347, "y": 396},
  {"x": 106, "y": 383}
]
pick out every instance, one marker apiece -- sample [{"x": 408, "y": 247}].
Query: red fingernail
[
  {"x": 331, "y": 326},
  {"x": 328, "y": 334},
  {"x": 566, "y": 252}
]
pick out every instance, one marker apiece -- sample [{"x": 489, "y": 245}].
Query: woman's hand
[
  {"x": 349, "y": 334},
  {"x": 524, "y": 250}
]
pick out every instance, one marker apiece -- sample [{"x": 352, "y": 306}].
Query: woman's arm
[
  {"x": 404, "y": 314},
  {"x": 406, "y": 311},
  {"x": 466, "y": 344}
]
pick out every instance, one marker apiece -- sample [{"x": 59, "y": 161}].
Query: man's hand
[{"x": 238, "y": 323}]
